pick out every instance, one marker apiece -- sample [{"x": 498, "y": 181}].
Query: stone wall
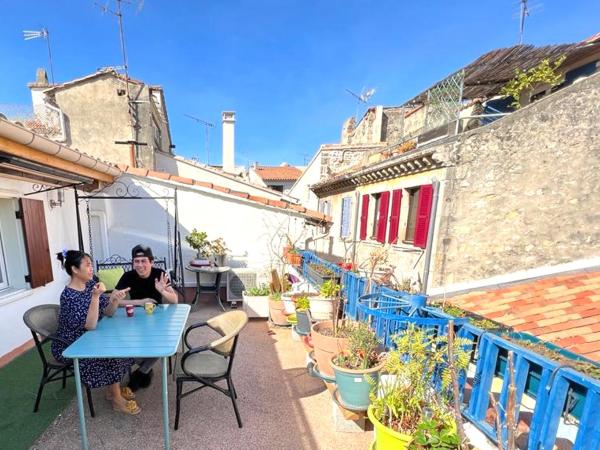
[
  {"x": 96, "y": 116},
  {"x": 339, "y": 160},
  {"x": 392, "y": 126},
  {"x": 525, "y": 190}
]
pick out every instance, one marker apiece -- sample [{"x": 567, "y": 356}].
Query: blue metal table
[{"x": 142, "y": 336}]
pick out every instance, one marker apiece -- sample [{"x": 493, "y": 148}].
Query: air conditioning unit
[{"x": 238, "y": 280}]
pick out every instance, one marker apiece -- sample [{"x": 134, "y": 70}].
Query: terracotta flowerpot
[
  {"x": 276, "y": 310},
  {"x": 325, "y": 347},
  {"x": 295, "y": 259}
]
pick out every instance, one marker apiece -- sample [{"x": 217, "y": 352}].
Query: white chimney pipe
[{"x": 229, "y": 141}]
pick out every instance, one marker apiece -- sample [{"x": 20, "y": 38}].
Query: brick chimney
[{"x": 228, "y": 141}]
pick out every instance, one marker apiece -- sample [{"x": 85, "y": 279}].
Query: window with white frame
[
  {"x": 13, "y": 265},
  {"x": 392, "y": 223}
]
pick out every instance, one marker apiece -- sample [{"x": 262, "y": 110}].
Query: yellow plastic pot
[{"x": 386, "y": 438}]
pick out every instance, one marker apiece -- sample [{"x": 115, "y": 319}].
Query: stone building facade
[
  {"x": 96, "y": 115},
  {"x": 520, "y": 193},
  {"x": 524, "y": 191}
]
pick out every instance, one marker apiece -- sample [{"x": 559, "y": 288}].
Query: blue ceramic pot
[{"x": 354, "y": 387}]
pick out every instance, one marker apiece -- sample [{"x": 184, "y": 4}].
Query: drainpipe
[
  {"x": 428, "y": 250},
  {"x": 355, "y": 231}
]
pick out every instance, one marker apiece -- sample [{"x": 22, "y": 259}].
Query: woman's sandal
[
  {"x": 126, "y": 393},
  {"x": 130, "y": 407}
]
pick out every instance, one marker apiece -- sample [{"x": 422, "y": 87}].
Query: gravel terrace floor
[{"x": 282, "y": 407}]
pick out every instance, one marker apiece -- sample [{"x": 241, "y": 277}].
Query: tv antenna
[
  {"x": 132, "y": 113},
  {"x": 526, "y": 8},
  {"x": 207, "y": 127},
  {"x": 44, "y": 34},
  {"x": 364, "y": 97}
]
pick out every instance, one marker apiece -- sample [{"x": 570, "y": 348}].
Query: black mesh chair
[
  {"x": 210, "y": 363},
  {"x": 42, "y": 320}
]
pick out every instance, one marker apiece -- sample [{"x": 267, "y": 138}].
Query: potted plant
[
  {"x": 329, "y": 337},
  {"x": 198, "y": 240},
  {"x": 357, "y": 369},
  {"x": 256, "y": 301},
  {"x": 293, "y": 257},
  {"x": 412, "y": 403},
  {"x": 219, "y": 249},
  {"x": 319, "y": 274},
  {"x": 276, "y": 310},
  {"x": 321, "y": 307}
]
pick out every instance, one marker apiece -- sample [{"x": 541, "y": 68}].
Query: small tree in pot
[
  {"x": 357, "y": 369},
  {"x": 412, "y": 405},
  {"x": 322, "y": 307},
  {"x": 329, "y": 337}
]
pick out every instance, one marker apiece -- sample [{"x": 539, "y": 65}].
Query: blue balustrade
[{"x": 565, "y": 403}]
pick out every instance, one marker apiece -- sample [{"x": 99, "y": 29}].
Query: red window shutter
[
  {"x": 384, "y": 206},
  {"x": 423, "y": 214},
  {"x": 36, "y": 242},
  {"x": 364, "y": 217},
  {"x": 395, "y": 216}
]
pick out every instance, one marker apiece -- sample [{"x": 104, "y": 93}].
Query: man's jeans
[{"x": 146, "y": 364}]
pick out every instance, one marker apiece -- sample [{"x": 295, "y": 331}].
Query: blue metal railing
[{"x": 565, "y": 403}]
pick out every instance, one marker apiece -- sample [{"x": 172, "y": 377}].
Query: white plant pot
[
  {"x": 321, "y": 308},
  {"x": 289, "y": 305},
  {"x": 256, "y": 306}
]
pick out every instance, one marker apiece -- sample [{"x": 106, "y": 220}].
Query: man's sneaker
[{"x": 145, "y": 379}]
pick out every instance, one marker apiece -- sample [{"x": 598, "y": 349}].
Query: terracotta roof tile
[
  {"x": 278, "y": 173},
  {"x": 562, "y": 309},
  {"x": 253, "y": 198}
]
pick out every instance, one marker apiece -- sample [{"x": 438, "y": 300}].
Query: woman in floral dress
[{"x": 82, "y": 305}]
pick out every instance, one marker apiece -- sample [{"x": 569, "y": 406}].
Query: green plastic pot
[
  {"x": 386, "y": 438},
  {"x": 353, "y": 386}
]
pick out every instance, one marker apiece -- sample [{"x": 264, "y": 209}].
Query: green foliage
[
  {"x": 362, "y": 349},
  {"x": 330, "y": 289},
  {"x": 199, "y": 241},
  {"x": 410, "y": 394},
  {"x": 438, "y": 432},
  {"x": 545, "y": 72},
  {"x": 302, "y": 303},
  {"x": 275, "y": 296},
  {"x": 258, "y": 291}
]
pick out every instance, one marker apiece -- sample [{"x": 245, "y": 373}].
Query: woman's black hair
[{"x": 71, "y": 258}]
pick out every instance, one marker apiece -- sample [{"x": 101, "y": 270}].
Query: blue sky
[{"x": 282, "y": 65}]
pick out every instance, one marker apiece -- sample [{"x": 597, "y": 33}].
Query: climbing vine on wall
[{"x": 544, "y": 73}]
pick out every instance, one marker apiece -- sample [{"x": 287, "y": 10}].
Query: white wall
[
  {"x": 251, "y": 230},
  {"x": 311, "y": 175},
  {"x": 62, "y": 233},
  {"x": 178, "y": 166}
]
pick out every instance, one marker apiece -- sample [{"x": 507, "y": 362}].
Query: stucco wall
[
  {"x": 249, "y": 229},
  {"x": 407, "y": 259},
  {"x": 177, "y": 166},
  {"x": 96, "y": 116},
  {"x": 62, "y": 233},
  {"x": 525, "y": 191}
]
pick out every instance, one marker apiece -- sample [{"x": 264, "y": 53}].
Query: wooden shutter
[
  {"x": 423, "y": 214},
  {"x": 364, "y": 217},
  {"x": 384, "y": 206},
  {"x": 36, "y": 242},
  {"x": 395, "y": 216},
  {"x": 346, "y": 207}
]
